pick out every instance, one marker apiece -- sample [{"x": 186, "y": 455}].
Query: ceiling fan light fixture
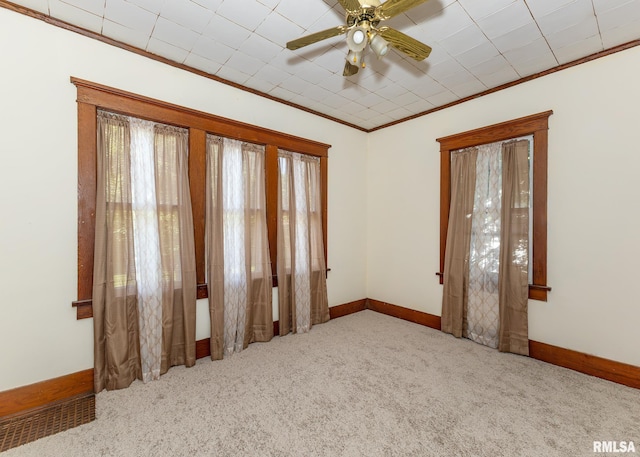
[
  {"x": 356, "y": 58},
  {"x": 379, "y": 45},
  {"x": 357, "y": 39}
]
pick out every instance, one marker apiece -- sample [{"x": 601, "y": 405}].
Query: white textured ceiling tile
[
  {"x": 353, "y": 108},
  {"x": 187, "y": 14},
  {"x": 620, "y": 35},
  {"x": 540, "y": 62},
  {"x": 442, "y": 98},
  {"x": 469, "y": 88},
  {"x": 579, "y": 49},
  {"x": 479, "y": 9},
  {"x": 450, "y": 20},
  {"x": 333, "y": 83},
  {"x": 477, "y": 55},
  {"x": 271, "y": 4},
  {"x": 444, "y": 70},
  {"x": 260, "y": 48},
  {"x": 314, "y": 74},
  {"x": 390, "y": 91},
  {"x": 200, "y": 63},
  {"x": 130, "y": 16},
  {"x": 543, "y": 7},
  {"x": 233, "y": 75},
  {"x": 525, "y": 53},
  {"x": 279, "y": 30},
  {"x": 212, "y": 50},
  {"x": 167, "y": 50},
  {"x": 428, "y": 89},
  {"x": 335, "y": 101},
  {"x": 371, "y": 99},
  {"x": 282, "y": 93},
  {"x": 124, "y": 34},
  {"x": 399, "y": 113},
  {"x": 303, "y": 13},
  {"x": 385, "y": 106},
  {"x": 419, "y": 106},
  {"x": 494, "y": 72},
  {"x": 176, "y": 34},
  {"x": 327, "y": 20},
  {"x": 463, "y": 40},
  {"x": 38, "y": 5},
  {"x": 73, "y": 15},
  {"x": 565, "y": 17},
  {"x": 504, "y": 76},
  {"x": 573, "y": 34},
  {"x": 405, "y": 99},
  {"x": 512, "y": 17},
  {"x": 92, "y": 6},
  {"x": 153, "y": 6},
  {"x": 244, "y": 63},
  {"x": 246, "y": 13},
  {"x": 517, "y": 38},
  {"x": 317, "y": 93},
  {"x": 620, "y": 16},
  {"x": 600, "y": 6},
  {"x": 272, "y": 75},
  {"x": 380, "y": 119},
  {"x": 259, "y": 84},
  {"x": 227, "y": 32},
  {"x": 295, "y": 84}
]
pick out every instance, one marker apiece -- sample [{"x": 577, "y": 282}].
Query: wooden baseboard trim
[
  {"x": 618, "y": 372},
  {"x": 411, "y": 315},
  {"x": 347, "y": 308},
  {"x": 46, "y": 392}
]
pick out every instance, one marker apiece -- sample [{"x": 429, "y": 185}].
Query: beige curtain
[
  {"x": 456, "y": 261},
  {"x": 514, "y": 249},
  {"x": 144, "y": 289},
  {"x": 302, "y": 287},
  {"x": 239, "y": 268}
]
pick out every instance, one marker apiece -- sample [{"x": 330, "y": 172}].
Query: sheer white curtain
[
  {"x": 484, "y": 261},
  {"x": 146, "y": 241}
]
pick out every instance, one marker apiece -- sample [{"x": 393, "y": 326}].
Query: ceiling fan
[{"x": 362, "y": 28}]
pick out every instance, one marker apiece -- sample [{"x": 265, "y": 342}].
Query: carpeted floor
[{"x": 362, "y": 385}]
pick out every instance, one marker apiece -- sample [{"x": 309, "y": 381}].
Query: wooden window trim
[
  {"x": 92, "y": 96},
  {"x": 536, "y": 125}
]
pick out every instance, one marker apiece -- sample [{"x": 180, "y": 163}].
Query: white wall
[
  {"x": 593, "y": 215},
  {"x": 39, "y": 334}
]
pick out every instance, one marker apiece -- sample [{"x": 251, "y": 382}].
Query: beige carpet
[{"x": 361, "y": 385}]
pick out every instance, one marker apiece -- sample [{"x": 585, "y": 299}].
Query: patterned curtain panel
[
  {"x": 237, "y": 245},
  {"x": 302, "y": 287},
  {"x": 144, "y": 270},
  {"x": 484, "y": 258}
]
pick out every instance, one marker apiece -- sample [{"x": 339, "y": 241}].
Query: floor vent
[{"x": 31, "y": 425}]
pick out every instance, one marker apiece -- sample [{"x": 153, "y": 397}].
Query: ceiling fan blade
[
  {"x": 404, "y": 43},
  {"x": 350, "y": 6},
  {"x": 315, "y": 37},
  {"x": 350, "y": 69},
  {"x": 392, "y": 8}
]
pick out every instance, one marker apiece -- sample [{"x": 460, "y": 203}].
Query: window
[
  {"x": 537, "y": 126},
  {"x": 92, "y": 97}
]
